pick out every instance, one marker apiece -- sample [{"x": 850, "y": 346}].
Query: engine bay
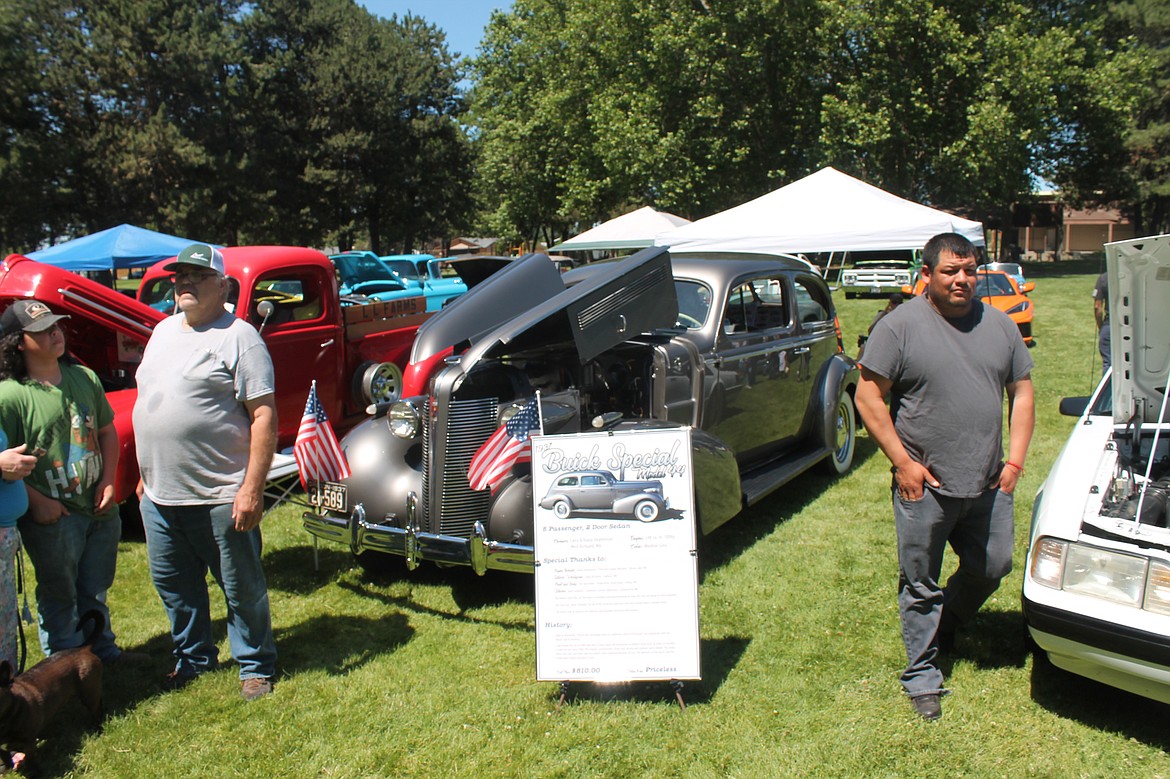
[
  {"x": 1139, "y": 488},
  {"x": 614, "y": 385}
]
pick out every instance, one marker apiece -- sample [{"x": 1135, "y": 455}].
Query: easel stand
[{"x": 675, "y": 685}]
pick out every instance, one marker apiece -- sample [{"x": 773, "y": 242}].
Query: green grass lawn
[{"x": 431, "y": 673}]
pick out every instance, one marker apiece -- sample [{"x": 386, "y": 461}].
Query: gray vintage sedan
[
  {"x": 742, "y": 349},
  {"x": 600, "y": 493}
]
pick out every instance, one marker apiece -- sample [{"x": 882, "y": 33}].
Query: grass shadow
[
  {"x": 340, "y": 644},
  {"x": 994, "y": 639},
  {"x": 754, "y": 523},
  {"x": 463, "y": 598},
  {"x": 468, "y": 589},
  {"x": 1098, "y": 705},
  {"x": 296, "y": 570},
  {"x": 717, "y": 657}
]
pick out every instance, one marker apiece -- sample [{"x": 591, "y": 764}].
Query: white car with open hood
[{"x": 1097, "y": 583}]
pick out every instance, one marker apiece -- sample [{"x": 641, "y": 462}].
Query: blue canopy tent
[{"x": 124, "y": 246}]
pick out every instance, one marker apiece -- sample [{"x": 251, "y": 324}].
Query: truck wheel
[
  {"x": 646, "y": 511},
  {"x": 377, "y": 382},
  {"x": 842, "y": 438},
  {"x": 562, "y": 509}
]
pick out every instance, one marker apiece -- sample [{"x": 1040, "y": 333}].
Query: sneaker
[
  {"x": 177, "y": 680},
  {"x": 928, "y": 706},
  {"x": 255, "y": 687}
]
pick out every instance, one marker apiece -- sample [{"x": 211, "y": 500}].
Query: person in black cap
[
  {"x": 59, "y": 411},
  {"x": 205, "y": 429}
]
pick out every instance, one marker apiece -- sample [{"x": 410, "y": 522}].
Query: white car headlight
[
  {"x": 1128, "y": 579},
  {"x": 1019, "y": 307},
  {"x": 1105, "y": 574},
  {"x": 403, "y": 419}
]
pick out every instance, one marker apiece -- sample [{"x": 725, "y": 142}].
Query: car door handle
[
  {"x": 327, "y": 343},
  {"x": 801, "y": 350}
]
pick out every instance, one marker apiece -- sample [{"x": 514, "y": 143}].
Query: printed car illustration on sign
[{"x": 588, "y": 493}]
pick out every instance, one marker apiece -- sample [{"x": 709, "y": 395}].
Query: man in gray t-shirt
[
  {"x": 946, "y": 361},
  {"x": 205, "y": 431}
]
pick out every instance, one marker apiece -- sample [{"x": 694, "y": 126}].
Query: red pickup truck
[{"x": 353, "y": 351}]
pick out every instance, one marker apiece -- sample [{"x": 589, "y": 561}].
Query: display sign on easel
[{"x": 617, "y": 593}]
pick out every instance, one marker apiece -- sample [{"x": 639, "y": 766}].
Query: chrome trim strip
[
  {"x": 82, "y": 299},
  {"x": 365, "y": 536}
]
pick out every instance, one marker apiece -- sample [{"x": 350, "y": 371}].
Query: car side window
[
  {"x": 293, "y": 299},
  {"x": 757, "y": 305},
  {"x": 812, "y": 302},
  {"x": 590, "y": 481},
  {"x": 568, "y": 481},
  {"x": 694, "y": 301}
]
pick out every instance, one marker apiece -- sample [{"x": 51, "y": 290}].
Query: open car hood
[
  {"x": 86, "y": 301},
  {"x": 1139, "y": 288},
  {"x": 625, "y": 298},
  {"x": 510, "y": 291}
]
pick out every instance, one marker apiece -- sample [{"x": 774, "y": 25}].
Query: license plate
[
  {"x": 329, "y": 495},
  {"x": 875, "y": 289}
]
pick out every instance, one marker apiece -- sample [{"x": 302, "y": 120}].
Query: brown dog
[{"x": 29, "y": 701}]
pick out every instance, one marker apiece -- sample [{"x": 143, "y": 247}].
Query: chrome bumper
[{"x": 477, "y": 551}]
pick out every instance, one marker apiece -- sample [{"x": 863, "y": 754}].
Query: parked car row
[{"x": 999, "y": 289}]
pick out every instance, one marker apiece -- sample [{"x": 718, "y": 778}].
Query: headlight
[
  {"x": 902, "y": 278},
  {"x": 1105, "y": 574},
  {"x": 1100, "y": 573},
  {"x": 849, "y": 278},
  {"x": 403, "y": 419},
  {"x": 509, "y": 411},
  {"x": 1019, "y": 308}
]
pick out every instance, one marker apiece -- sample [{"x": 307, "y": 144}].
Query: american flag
[
  {"x": 319, "y": 456},
  {"x": 507, "y": 446}
]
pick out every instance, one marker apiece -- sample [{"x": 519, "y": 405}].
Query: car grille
[{"x": 468, "y": 424}]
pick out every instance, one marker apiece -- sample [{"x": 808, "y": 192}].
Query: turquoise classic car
[{"x": 366, "y": 275}]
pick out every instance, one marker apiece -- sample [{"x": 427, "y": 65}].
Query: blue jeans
[
  {"x": 74, "y": 559},
  {"x": 182, "y": 544},
  {"x": 980, "y": 531},
  {"x": 1105, "y": 347}
]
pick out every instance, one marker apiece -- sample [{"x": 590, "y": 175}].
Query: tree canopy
[
  {"x": 314, "y": 122},
  {"x": 588, "y": 107},
  {"x": 277, "y": 121}
]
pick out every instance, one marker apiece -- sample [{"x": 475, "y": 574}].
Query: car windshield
[
  {"x": 358, "y": 269},
  {"x": 694, "y": 301},
  {"x": 159, "y": 294},
  {"x": 403, "y": 268},
  {"x": 993, "y": 284}
]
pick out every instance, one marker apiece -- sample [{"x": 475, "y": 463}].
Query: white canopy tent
[
  {"x": 827, "y": 211},
  {"x": 635, "y": 230}
]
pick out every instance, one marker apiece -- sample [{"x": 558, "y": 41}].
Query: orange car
[{"x": 997, "y": 288}]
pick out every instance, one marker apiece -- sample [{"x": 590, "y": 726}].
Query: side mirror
[
  {"x": 1073, "y": 407},
  {"x": 264, "y": 308},
  {"x": 1028, "y": 287}
]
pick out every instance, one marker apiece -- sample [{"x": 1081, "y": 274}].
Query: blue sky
[{"x": 462, "y": 20}]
